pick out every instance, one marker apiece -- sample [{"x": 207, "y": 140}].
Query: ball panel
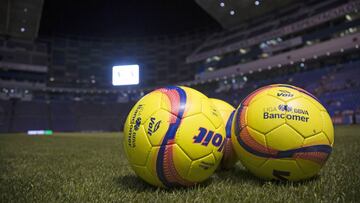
[
  {"x": 307, "y": 95},
  {"x": 194, "y": 98},
  {"x": 264, "y": 111},
  {"x": 188, "y": 130},
  {"x": 256, "y": 170},
  {"x": 229, "y": 154},
  {"x": 322, "y": 151},
  {"x": 151, "y": 166},
  {"x": 254, "y": 96},
  {"x": 318, "y": 139},
  {"x": 157, "y": 125},
  {"x": 181, "y": 161},
  {"x": 328, "y": 127},
  {"x": 223, "y": 107},
  {"x": 229, "y": 157},
  {"x": 283, "y": 138},
  {"x": 314, "y": 101},
  {"x": 146, "y": 175},
  {"x": 193, "y": 92},
  {"x": 281, "y": 169},
  {"x": 136, "y": 144},
  {"x": 283, "y": 92},
  {"x": 147, "y": 105},
  {"x": 202, "y": 168},
  {"x": 166, "y": 168},
  {"x": 166, "y": 103},
  {"x": 308, "y": 167},
  {"x": 218, "y": 152},
  {"x": 218, "y": 142},
  {"x": 210, "y": 111},
  {"x": 304, "y": 117},
  {"x": 218, "y": 149},
  {"x": 248, "y": 144},
  {"x": 239, "y": 120},
  {"x": 301, "y": 91},
  {"x": 192, "y": 101},
  {"x": 255, "y": 138},
  {"x": 173, "y": 100}
]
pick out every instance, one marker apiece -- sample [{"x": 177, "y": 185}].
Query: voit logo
[
  {"x": 153, "y": 126},
  {"x": 284, "y": 93}
]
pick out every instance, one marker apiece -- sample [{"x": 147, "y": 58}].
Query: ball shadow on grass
[
  {"x": 135, "y": 183},
  {"x": 295, "y": 183},
  {"x": 234, "y": 176},
  {"x": 238, "y": 174}
]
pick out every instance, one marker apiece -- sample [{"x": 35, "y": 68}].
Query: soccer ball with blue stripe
[
  {"x": 174, "y": 136},
  {"x": 282, "y": 132}
]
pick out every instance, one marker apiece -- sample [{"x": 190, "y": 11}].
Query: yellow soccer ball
[
  {"x": 227, "y": 113},
  {"x": 282, "y": 132},
  {"x": 174, "y": 136}
]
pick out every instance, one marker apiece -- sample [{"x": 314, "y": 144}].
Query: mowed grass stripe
[{"x": 91, "y": 167}]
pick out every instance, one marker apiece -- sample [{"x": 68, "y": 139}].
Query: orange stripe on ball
[
  {"x": 251, "y": 142},
  {"x": 170, "y": 171},
  {"x": 317, "y": 157}
]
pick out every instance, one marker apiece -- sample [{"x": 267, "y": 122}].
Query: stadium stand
[
  {"x": 62, "y": 83},
  {"x": 65, "y": 116},
  {"x": 5, "y": 112}
]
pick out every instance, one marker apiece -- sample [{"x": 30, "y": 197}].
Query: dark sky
[{"x": 122, "y": 18}]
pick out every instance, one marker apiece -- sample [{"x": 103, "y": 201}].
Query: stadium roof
[
  {"x": 20, "y": 18},
  {"x": 230, "y": 13},
  {"x": 114, "y": 18}
]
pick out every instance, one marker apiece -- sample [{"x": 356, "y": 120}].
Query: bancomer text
[{"x": 283, "y": 116}]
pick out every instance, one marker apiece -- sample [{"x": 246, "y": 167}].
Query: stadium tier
[
  {"x": 179, "y": 101},
  {"x": 63, "y": 83}
]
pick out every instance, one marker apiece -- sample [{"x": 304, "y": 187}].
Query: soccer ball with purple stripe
[{"x": 174, "y": 136}]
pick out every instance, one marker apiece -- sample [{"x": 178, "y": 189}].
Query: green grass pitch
[{"x": 93, "y": 168}]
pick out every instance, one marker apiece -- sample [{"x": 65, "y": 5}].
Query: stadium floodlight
[
  {"x": 125, "y": 75},
  {"x": 39, "y": 132}
]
